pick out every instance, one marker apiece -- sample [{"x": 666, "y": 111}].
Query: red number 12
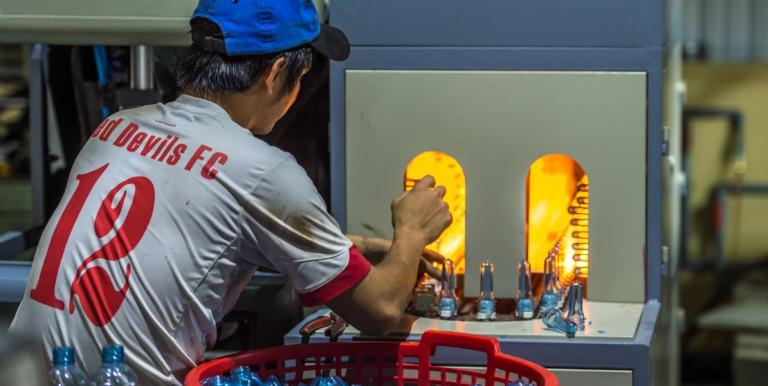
[{"x": 93, "y": 286}]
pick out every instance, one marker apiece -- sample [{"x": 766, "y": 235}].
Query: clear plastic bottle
[
  {"x": 549, "y": 297},
  {"x": 65, "y": 372},
  {"x": 113, "y": 371},
  {"x": 553, "y": 319},
  {"x": 272, "y": 380},
  {"x": 448, "y": 305},
  {"x": 242, "y": 376},
  {"x": 525, "y": 292},
  {"x": 338, "y": 381},
  {"x": 217, "y": 380},
  {"x": 486, "y": 303},
  {"x": 323, "y": 381},
  {"x": 576, "y": 305}
]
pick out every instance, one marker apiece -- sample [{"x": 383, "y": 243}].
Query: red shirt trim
[{"x": 356, "y": 270}]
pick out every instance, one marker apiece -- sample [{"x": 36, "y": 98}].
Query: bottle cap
[
  {"x": 63, "y": 355},
  {"x": 113, "y": 354}
]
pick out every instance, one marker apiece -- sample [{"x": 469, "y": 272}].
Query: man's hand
[
  {"x": 422, "y": 210},
  {"x": 425, "y": 265},
  {"x": 376, "y": 305},
  {"x": 375, "y": 249}
]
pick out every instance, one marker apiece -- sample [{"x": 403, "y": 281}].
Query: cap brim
[{"x": 331, "y": 43}]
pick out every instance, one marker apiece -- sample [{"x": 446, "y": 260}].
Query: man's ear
[{"x": 272, "y": 80}]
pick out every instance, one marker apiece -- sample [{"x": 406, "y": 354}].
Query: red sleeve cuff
[{"x": 356, "y": 270}]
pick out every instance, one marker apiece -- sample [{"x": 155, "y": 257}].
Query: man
[{"x": 171, "y": 208}]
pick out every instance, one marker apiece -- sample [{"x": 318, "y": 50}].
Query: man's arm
[
  {"x": 286, "y": 226},
  {"x": 376, "y": 248},
  {"x": 376, "y": 304}
]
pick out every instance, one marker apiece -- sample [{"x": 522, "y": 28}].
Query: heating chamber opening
[
  {"x": 557, "y": 214},
  {"x": 447, "y": 172}
]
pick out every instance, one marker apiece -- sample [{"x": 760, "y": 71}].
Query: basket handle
[
  {"x": 313, "y": 325},
  {"x": 431, "y": 339}
]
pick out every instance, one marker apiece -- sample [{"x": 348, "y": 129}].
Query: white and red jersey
[{"x": 168, "y": 212}]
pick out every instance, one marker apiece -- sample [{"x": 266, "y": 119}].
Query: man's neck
[{"x": 235, "y": 104}]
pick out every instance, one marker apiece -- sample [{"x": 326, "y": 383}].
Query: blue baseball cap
[{"x": 257, "y": 27}]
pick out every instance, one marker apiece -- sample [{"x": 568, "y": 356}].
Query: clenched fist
[{"x": 422, "y": 210}]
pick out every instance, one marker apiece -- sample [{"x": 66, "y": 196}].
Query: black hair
[{"x": 205, "y": 73}]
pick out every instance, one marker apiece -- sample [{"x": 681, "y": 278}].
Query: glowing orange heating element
[
  {"x": 558, "y": 213},
  {"x": 447, "y": 172}
]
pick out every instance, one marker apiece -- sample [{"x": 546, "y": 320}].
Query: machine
[{"x": 544, "y": 122}]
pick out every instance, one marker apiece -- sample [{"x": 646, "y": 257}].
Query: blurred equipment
[
  {"x": 72, "y": 88},
  {"x": 722, "y": 31},
  {"x": 744, "y": 314},
  {"x": 20, "y": 362},
  {"x": 714, "y": 218}
]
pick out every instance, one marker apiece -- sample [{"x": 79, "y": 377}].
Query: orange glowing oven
[{"x": 557, "y": 211}]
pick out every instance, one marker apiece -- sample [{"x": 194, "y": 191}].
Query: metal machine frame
[
  {"x": 504, "y": 45},
  {"x": 549, "y": 35}
]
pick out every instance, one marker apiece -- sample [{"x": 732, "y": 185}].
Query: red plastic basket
[{"x": 381, "y": 363}]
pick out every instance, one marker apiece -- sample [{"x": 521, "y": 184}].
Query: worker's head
[{"x": 250, "y": 56}]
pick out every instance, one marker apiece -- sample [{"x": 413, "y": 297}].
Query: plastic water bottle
[
  {"x": 337, "y": 381},
  {"x": 243, "y": 376},
  {"x": 272, "y": 381},
  {"x": 113, "y": 371},
  {"x": 65, "y": 372},
  {"x": 216, "y": 381},
  {"x": 328, "y": 381}
]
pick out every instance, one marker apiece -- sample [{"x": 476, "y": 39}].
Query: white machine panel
[{"x": 496, "y": 124}]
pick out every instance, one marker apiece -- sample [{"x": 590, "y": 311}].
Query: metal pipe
[
  {"x": 37, "y": 133},
  {"x": 142, "y": 68},
  {"x": 13, "y": 280}
]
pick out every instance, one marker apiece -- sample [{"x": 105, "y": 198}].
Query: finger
[
  {"x": 450, "y": 220},
  {"x": 432, "y": 256},
  {"x": 425, "y": 183},
  {"x": 440, "y": 191},
  {"x": 429, "y": 269}
]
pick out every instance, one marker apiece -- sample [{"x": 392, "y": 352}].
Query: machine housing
[{"x": 498, "y": 86}]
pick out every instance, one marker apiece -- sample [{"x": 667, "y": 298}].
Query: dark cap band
[{"x": 331, "y": 43}]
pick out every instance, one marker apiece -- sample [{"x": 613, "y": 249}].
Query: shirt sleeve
[{"x": 287, "y": 225}]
